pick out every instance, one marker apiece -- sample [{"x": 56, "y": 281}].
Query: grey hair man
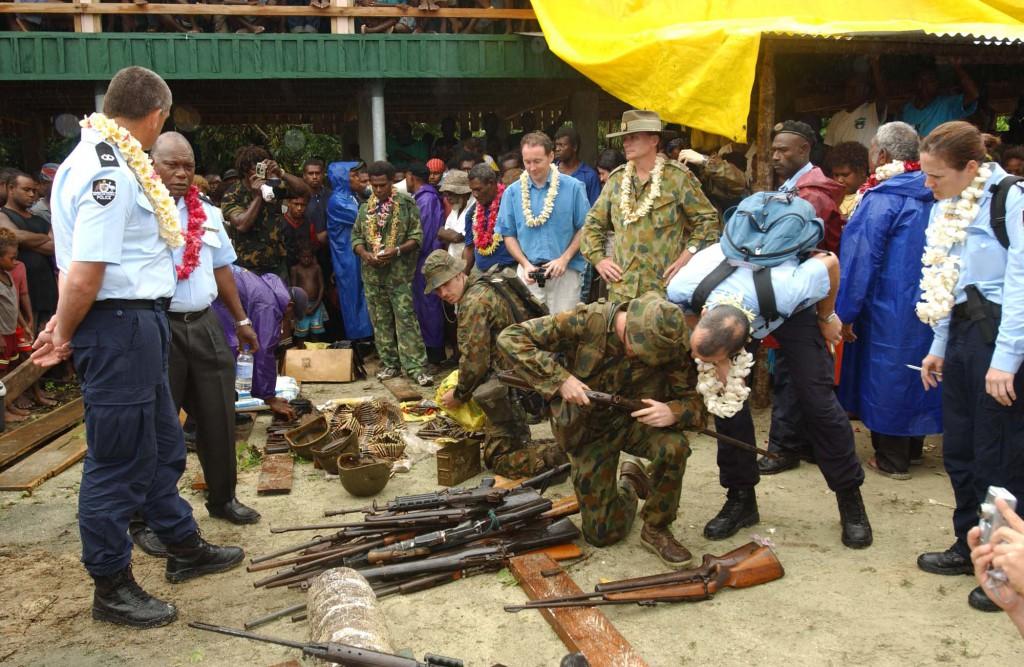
[{"x": 896, "y": 141}]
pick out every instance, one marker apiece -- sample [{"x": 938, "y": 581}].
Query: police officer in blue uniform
[
  {"x": 977, "y": 350},
  {"x": 117, "y": 277},
  {"x": 202, "y": 366},
  {"x": 805, "y": 301}
]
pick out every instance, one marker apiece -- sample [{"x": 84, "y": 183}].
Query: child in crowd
[
  {"x": 24, "y": 335},
  {"x": 10, "y": 315},
  {"x": 848, "y": 164},
  {"x": 307, "y": 276}
]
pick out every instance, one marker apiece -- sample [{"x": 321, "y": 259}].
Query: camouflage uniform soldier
[
  {"x": 655, "y": 236},
  {"x": 638, "y": 349},
  {"x": 386, "y": 236},
  {"x": 486, "y": 306}
]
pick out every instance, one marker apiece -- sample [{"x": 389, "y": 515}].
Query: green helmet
[{"x": 363, "y": 475}]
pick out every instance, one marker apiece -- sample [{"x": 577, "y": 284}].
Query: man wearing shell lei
[
  {"x": 386, "y": 237},
  {"x": 656, "y": 210},
  {"x": 805, "y": 299},
  {"x": 114, "y": 227},
  {"x": 972, "y": 284}
]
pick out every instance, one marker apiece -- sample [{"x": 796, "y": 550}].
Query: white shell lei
[
  {"x": 140, "y": 164},
  {"x": 882, "y": 173},
  {"x": 725, "y": 400},
  {"x": 941, "y": 270},
  {"x": 549, "y": 200},
  {"x": 630, "y": 215}
]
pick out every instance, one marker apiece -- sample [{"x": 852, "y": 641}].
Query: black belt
[
  {"x": 188, "y": 317},
  {"x": 132, "y": 304}
]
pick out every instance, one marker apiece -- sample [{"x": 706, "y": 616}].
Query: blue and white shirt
[{"x": 200, "y": 289}]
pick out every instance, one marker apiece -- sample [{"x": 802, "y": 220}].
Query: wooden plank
[
  {"x": 275, "y": 475},
  {"x": 26, "y": 438},
  {"x": 402, "y": 389},
  {"x": 48, "y": 462},
  {"x": 22, "y": 378},
  {"x": 72, "y": 8},
  {"x": 582, "y": 629}
]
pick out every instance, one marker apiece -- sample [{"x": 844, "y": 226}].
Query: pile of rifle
[{"x": 417, "y": 542}]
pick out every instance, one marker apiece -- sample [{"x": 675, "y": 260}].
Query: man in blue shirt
[
  {"x": 802, "y": 332},
  {"x": 540, "y": 218},
  {"x": 483, "y": 254},
  {"x": 117, "y": 279},
  {"x": 567, "y": 148},
  {"x": 928, "y": 109}
]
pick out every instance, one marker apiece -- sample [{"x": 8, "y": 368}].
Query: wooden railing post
[
  {"x": 88, "y": 22},
  {"x": 342, "y": 25}
]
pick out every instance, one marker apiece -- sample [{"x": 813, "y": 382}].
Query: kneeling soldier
[
  {"x": 638, "y": 349},
  {"x": 487, "y": 304}
]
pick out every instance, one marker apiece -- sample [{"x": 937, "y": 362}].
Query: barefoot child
[
  {"x": 307, "y": 275},
  {"x": 10, "y": 316}
]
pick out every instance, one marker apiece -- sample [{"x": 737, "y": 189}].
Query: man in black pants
[
  {"x": 202, "y": 368},
  {"x": 803, "y": 332}
]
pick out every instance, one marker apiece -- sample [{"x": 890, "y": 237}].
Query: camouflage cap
[
  {"x": 439, "y": 268},
  {"x": 656, "y": 330}
]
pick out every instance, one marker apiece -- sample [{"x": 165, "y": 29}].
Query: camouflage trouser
[
  {"x": 507, "y": 448},
  {"x": 608, "y": 507},
  {"x": 396, "y": 332}
]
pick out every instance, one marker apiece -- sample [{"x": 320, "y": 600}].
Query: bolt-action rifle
[{"x": 618, "y": 402}]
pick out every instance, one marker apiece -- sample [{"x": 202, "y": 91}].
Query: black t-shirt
[{"x": 42, "y": 282}]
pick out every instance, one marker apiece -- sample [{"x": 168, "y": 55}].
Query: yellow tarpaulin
[{"x": 693, "y": 61}]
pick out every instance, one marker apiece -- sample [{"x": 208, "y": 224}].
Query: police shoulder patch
[
  {"x": 105, "y": 152},
  {"x": 104, "y": 190}
]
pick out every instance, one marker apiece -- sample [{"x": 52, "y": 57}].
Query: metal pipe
[{"x": 377, "y": 119}]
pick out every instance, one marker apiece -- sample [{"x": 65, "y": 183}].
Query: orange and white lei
[
  {"x": 138, "y": 161},
  {"x": 629, "y": 215},
  {"x": 941, "y": 270},
  {"x": 549, "y": 200}
]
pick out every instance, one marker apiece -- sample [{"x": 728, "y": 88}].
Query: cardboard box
[{"x": 319, "y": 365}]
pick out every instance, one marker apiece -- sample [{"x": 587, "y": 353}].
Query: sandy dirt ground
[{"x": 835, "y": 606}]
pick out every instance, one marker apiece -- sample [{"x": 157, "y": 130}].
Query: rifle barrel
[
  {"x": 729, "y": 440},
  {"x": 233, "y": 632},
  {"x": 274, "y": 615}
]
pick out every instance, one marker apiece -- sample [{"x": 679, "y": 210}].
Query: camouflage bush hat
[
  {"x": 656, "y": 329},
  {"x": 439, "y": 268}
]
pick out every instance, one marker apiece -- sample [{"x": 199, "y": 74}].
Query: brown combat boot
[
  {"x": 665, "y": 546},
  {"x": 634, "y": 475}
]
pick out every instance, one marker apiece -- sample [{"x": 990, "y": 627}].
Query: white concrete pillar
[
  {"x": 377, "y": 119},
  {"x": 99, "y": 92}
]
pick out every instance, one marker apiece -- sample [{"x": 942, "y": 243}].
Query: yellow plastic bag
[{"x": 469, "y": 415}]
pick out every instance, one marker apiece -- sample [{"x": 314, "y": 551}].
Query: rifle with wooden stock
[
  {"x": 749, "y": 565},
  {"x": 510, "y": 379}
]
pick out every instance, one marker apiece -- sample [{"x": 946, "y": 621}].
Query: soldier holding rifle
[{"x": 638, "y": 349}]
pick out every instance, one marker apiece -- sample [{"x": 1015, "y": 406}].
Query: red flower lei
[
  {"x": 193, "y": 234},
  {"x": 908, "y": 166},
  {"x": 484, "y": 238}
]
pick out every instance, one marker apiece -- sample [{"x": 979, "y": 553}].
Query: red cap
[{"x": 435, "y": 165}]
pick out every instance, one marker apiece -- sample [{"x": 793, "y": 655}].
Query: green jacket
[
  {"x": 400, "y": 269},
  {"x": 681, "y": 217}
]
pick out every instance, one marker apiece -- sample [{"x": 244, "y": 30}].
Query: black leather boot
[
  {"x": 145, "y": 539},
  {"x": 856, "y": 527},
  {"x": 195, "y": 557},
  {"x": 785, "y": 461},
  {"x": 739, "y": 511},
  {"x": 234, "y": 511},
  {"x": 118, "y": 599}
]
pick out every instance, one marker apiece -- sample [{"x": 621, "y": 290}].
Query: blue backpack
[
  {"x": 764, "y": 230},
  {"x": 767, "y": 228}
]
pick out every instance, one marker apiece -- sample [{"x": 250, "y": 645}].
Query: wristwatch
[
  {"x": 692, "y": 250},
  {"x": 243, "y": 323},
  {"x": 398, "y": 251},
  {"x": 829, "y": 318}
]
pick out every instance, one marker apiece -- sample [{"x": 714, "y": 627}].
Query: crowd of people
[
  {"x": 307, "y": 23},
  {"x": 617, "y": 278}
]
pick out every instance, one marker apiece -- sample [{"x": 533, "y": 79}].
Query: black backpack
[{"x": 997, "y": 217}]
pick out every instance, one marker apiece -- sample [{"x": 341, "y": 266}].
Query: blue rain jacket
[{"x": 341, "y": 216}]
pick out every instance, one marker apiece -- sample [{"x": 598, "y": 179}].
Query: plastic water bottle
[{"x": 243, "y": 372}]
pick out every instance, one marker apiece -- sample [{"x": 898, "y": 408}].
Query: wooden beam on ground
[
  {"x": 275, "y": 475},
  {"x": 402, "y": 389},
  {"x": 26, "y": 438},
  {"x": 582, "y": 629},
  {"x": 48, "y": 462},
  {"x": 21, "y": 379}
]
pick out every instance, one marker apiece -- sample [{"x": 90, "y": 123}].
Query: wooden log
[
  {"x": 582, "y": 629},
  {"x": 48, "y": 462},
  {"x": 21, "y": 379},
  {"x": 30, "y": 436},
  {"x": 275, "y": 475}
]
